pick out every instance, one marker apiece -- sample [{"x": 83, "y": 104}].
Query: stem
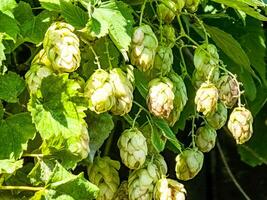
[
  {"x": 181, "y": 25},
  {"x": 108, "y": 144},
  {"x": 136, "y": 116},
  {"x": 107, "y": 52},
  {"x": 96, "y": 58},
  {"x": 142, "y": 107},
  {"x": 193, "y": 132},
  {"x": 184, "y": 69},
  {"x": 230, "y": 172},
  {"x": 142, "y": 12},
  {"x": 32, "y": 155},
  {"x": 29, "y": 188}
]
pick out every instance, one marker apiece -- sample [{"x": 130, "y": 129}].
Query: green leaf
[
  {"x": 51, "y": 5},
  {"x": 97, "y": 26},
  {"x": 1, "y": 110},
  {"x": 8, "y": 26},
  {"x": 9, "y": 166},
  {"x": 261, "y": 99},
  {"x": 7, "y": 6},
  {"x": 73, "y": 14},
  {"x": 241, "y": 5},
  {"x": 141, "y": 82},
  {"x": 99, "y": 129},
  {"x": 2, "y": 49},
  {"x": 11, "y": 86},
  {"x": 158, "y": 139},
  {"x": 167, "y": 132},
  {"x": 15, "y": 133}
]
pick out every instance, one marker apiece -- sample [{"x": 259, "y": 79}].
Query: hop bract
[
  {"x": 240, "y": 124},
  {"x": 104, "y": 174},
  {"x": 205, "y": 138},
  {"x": 143, "y": 47},
  {"x": 122, "y": 192},
  {"x": 188, "y": 164},
  {"x": 163, "y": 60},
  {"x": 62, "y": 47},
  {"x": 160, "y": 97},
  {"x": 206, "y": 98},
  {"x": 167, "y": 10},
  {"x": 99, "y": 91},
  {"x": 218, "y": 119},
  {"x": 133, "y": 148},
  {"x": 169, "y": 189},
  {"x": 228, "y": 90},
  {"x": 201, "y": 75},
  {"x": 123, "y": 91}
]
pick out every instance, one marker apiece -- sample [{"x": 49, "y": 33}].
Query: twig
[{"x": 21, "y": 188}]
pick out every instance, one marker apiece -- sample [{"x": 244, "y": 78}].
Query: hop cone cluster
[
  {"x": 122, "y": 192},
  {"x": 188, "y": 164},
  {"x": 228, "y": 90},
  {"x": 169, "y": 189},
  {"x": 169, "y": 8},
  {"x": 205, "y": 138},
  {"x": 206, "y": 98},
  {"x": 218, "y": 119},
  {"x": 62, "y": 47},
  {"x": 104, "y": 173},
  {"x": 240, "y": 124},
  {"x": 133, "y": 148},
  {"x": 143, "y": 48},
  {"x": 163, "y": 61}
]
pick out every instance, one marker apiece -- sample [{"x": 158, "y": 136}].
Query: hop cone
[
  {"x": 167, "y": 10},
  {"x": 40, "y": 69},
  {"x": 217, "y": 119},
  {"x": 99, "y": 91},
  {"x": 180, "y": 98},
  {"x": 240, "y": 124},
  {"x": 161, "y": 164},
  {"x": 205, "y": 138},
  {"x": 133, "y": 148},
  {"x": 228, "y": 90},
  {"x": 123, "y": 91},
  {"x": 168, "y": 35},
  {"x": 201, "y": 75},
  {"x": 160, "y": 97},
  {"x": 143, "y": 47},
  {"x": 169, "y": 189},
  {"x": 192, "y": 5},
  {"x": 188, "y": 164},
  {"x": 163, "y": 61},
  {"x": 122, "y": 192},
  {"x": 62, "y": 47},
  {"x": 141, "y": 182},
  {"x": 206, "y": 98},
  {"x": 104, "y": 173}
]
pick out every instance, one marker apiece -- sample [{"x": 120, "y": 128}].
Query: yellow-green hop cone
[
  {"x": 160, "y": 97},
  {"x": 205, "y": 54},
  {"x": 240, "y": 124},
  {"x": 104, "y": 174},
  {"x": 163, "y": 61},
  {"x": 201, "y": 75},
  {"x": 192, "y": 5},
  {"x": 188, "y": 164},
  {"x": 169, "y": 189},
  {"x": 133, "y": 148},
  {"x": 218, "y": 119},
  {"x": 41, "y": 59},
  {"x": 205, "y": 138},
  {"x": 167, "y": 10},
  {"x": 123, "y": 91},
  {"x": 161, "y": 164},
  {"x": 206, "y": 98},
  {"x": 168, "y": 35},
  {"x": 143, "y": 47},
  {"x": 141, "y": 182},
  {"x": 122, "y": 192},
  {"x": 99, "y": 91},
  {"x": 62, "y": 47},
  {"x": 228, "y": 90}
]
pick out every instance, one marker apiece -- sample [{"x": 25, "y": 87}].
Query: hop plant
[
  {"x": 160, "y": 97},
  {"x": 169, "y": 189},
  {"x": 168, "y": 35},
  {"x": 240, "y": 124},
  {"x": 206, "y": 98},
  {"x": 143, "y": 47},
  {"x": 141, "y": 182},
  {"x": 163, "y": 60},
  {"x": 161, "y": 164},
  {"x": 188, "y": 164},
  {"x": 228, "y": 90},
  {"x": 202, "y": 74},
  {"x": 123, "y": 91},
  {"x": 62, "y": 47},
  {"x": 218, "y": 119},
  {"x": 122, "y": 192},
  {"x": 104, "y": 174},
  {"x": 133, "y": 148},
  {"x": 99, "y": 92},
  {"x": 205, "y": 138},
  {"x": 192, "y": 5},
  {"x": 180, "y": 98}
]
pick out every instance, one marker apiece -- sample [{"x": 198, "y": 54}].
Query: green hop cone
[
  {"x": 168, "y": 9},
  {"x": 123, "y": 91},
  {"x": 141, "y": 182},
  {"x": 180, "y": 98},
  {"x": 240, "y": 124},
  {"x": 133, "y": 148},
  {"x": 188, "y": 164},
  {"x": 143, "y": 47},
  {"x": 206, "y": 98},
  {"x": 161, "y": 164},
  {"x": 163, "y": 61},
  {"x": 228, "y": 90},
  {"x": 169, "y": 189},
  {"x": 104, "y": 174},
  {"x": 168, "y": 35},
  {"x": 122, "y": 192},
  {"x": 62, "y": 47},
  {"x": 192, "y": 5},
  {"x": 201, "y": 75},
  {"x": 205, "y": 138},
  {"x": 160, "y": 97},
  {"x": 218, "y": 119},
  {"x": 99, "y": 91}
]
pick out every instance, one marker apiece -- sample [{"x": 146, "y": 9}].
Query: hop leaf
[{"x": 205, "y": 138}]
